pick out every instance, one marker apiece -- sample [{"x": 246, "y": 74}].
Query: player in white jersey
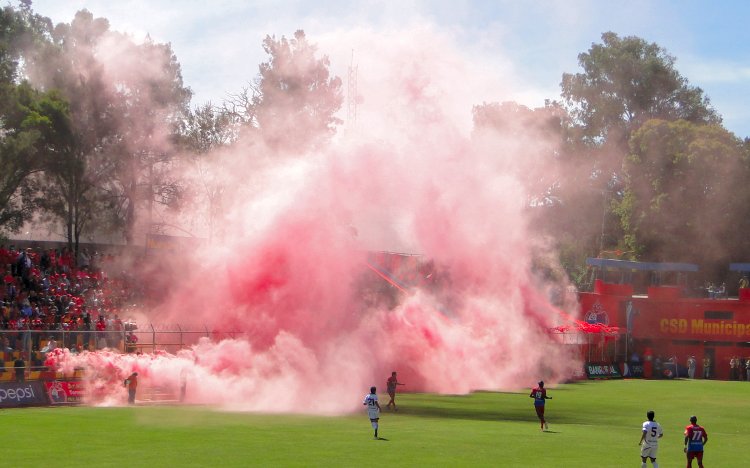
[
  {"x": 373, "y": 409},
  {"x": 650, "y": 440}
]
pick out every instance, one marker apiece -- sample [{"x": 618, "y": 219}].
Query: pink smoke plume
[{"x": 287, "y": 275}]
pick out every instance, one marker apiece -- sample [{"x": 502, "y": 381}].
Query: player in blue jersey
[
  {"x": 373, "y": 409},
  {"x": 539, "y": 394}
]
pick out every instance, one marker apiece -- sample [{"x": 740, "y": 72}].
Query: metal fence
[
  {"x": 149, "y": 337},
  {"x": 30, "y": 344},
  {"x": 592, "y": 347}
]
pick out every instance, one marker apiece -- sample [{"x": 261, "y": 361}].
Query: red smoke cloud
[{"x": 287, "y": 271}]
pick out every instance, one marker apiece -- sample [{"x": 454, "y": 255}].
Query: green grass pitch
[{"x": 590, "y": 424}]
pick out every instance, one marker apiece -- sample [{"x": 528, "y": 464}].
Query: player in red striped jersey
[
  {"x": 695, "y": 439},
  {"x": 539, "y": 394}
]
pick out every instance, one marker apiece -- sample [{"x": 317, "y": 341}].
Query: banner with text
[
  {"x": 14, "y": 394},
  {"x": 65, "y": 392},
  {"x": 596, "y": 370}
]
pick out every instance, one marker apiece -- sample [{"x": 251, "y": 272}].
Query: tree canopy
[
  {"x": 685, "y": 193},
  {"x": 625, "y": 82},
  {"x": 297, "y": 99},
  {"x": 97, "y": 135}
]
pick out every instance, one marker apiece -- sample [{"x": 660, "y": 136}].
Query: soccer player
[
  {"x": 695, "y": 439},
  {"x": 391, "y": 386},
  {"x": 539, "y": 394},
  {"x": 373, "y": 409},
  {"x": 650, "y": 440}
]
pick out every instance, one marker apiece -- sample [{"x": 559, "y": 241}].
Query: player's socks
[
  {"x": 656, "y": 465},
  {"x": 643, "y": 465}
]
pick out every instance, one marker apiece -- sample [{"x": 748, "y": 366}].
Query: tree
[
  {"x": 533, "y": 135},
  {"x": 686, "y": 192},
  {"x": 33, "y": 123},
  {"x": 152, "y": 102},
  {"x": 126, "y": 101},
  {"x": 68, "y": 189},
  {"x": 625, "y": 82},
  {"x": 208, "y": 130},
  {"x": 296, "y": 99},
  {"x": 26, "y": 126}
]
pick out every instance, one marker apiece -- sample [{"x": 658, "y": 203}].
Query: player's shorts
[
  {"x": 373, "y": 413},
  {"x": 697, "y": 455},
  {"x": 540, "y": 411},
  {"x": 649, "y": 450}
]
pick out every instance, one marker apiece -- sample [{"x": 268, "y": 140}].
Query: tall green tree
[
  {"x": 67, "y": 189},
  {"x": 71, "y": 193},
  {"x": 625, "y": 82},
  {"x": 26, "y": 125},
  {"x": 296, "y": 100},
  {"x": 205, "y": 134},
  {"x": 34, "y": 124},
  {"x": 126, "y": 100},
  {"x": 152, "y": 104},
  {"x": 686, "y": 194}
]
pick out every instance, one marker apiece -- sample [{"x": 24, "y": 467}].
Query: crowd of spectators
[
  {"x": 50, "y": 299},
  {"x": 716, "y": 291}
]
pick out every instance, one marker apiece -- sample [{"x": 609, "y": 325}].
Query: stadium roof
[
  {"x": 643, "y": 266},
  {"x": 743, "y": 267}
]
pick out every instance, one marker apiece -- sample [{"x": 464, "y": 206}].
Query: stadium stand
[{"x": 47, "y": 302}]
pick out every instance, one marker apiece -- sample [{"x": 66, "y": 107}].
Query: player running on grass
[
  {"x": 649, "y": 442},
  {"x": 373, "y": 409},
  {"x": 391, "y": 384},
  {"x": 695, "y": 439},
  {"x": 539, "y": 394}
]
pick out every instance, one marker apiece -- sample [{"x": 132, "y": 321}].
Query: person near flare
[
  {"x": 131, "y": 383},
  {"x": 391, "y": 385},
  {"x": 539, "y": 394}
]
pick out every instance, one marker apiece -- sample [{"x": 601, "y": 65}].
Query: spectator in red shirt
[{"x": 132, "y": 384}]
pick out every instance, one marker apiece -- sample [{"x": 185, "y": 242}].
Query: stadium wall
[{"x": 665, "y": 324}]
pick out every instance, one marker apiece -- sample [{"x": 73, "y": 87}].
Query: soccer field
[{"x": 591, "y": 424}]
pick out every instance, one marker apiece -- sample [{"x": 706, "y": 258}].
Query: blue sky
[{"x": 218, "y": 42}]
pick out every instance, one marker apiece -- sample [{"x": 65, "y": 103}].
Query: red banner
[{"x": 65, "y": 392}]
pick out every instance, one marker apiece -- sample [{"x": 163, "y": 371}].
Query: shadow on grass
[
  {"x": 462, "y": 412},
  {"x": 481, "y": 406},
  {"x": 482, "y": 414}
]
